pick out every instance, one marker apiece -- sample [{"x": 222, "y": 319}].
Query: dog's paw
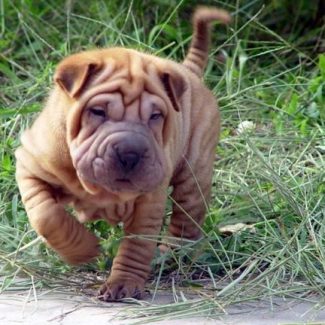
[{"x": 120, "y": 288}]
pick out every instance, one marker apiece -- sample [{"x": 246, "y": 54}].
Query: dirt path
[{"x": 65, "y": 309}]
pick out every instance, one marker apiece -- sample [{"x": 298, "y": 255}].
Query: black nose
[{"x": 128, "y": 160}]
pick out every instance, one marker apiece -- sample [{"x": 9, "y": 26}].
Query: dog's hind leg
[{"x": 192, "y": 186}]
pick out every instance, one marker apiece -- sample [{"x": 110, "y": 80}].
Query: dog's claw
[{"x": 120, "y": 289}]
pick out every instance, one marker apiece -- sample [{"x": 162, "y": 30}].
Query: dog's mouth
[
  {"x": 124, "y": 185},
  {"x": 123, "y": 180}
]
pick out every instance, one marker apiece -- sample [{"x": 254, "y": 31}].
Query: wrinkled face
[
  {"x": 120, "y": 147},
  {"x": 120, "y": 113}
]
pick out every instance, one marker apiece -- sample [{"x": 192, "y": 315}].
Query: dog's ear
[
  {"x": 174, "y": 85},
  {"x": 73, "y": 73}
]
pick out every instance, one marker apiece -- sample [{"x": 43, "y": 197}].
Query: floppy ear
[
  {"x": 174, "y": 85},
  {"x": 73, "y": 73}
]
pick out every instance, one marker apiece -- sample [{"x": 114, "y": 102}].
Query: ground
[{"x": 52, "y": 307}]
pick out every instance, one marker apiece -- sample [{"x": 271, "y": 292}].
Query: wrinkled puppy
[{"x": 119, "y": 127}]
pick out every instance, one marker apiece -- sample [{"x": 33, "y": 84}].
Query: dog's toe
[{"x": 118, "y": 289}]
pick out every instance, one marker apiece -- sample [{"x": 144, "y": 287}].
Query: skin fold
[{"x": 119, "y": 127}]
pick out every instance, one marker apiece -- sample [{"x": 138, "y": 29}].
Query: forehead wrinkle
[
  {"x": 153, "y": 83},
  {"x": 132, "y": 110},
  {"x": 135, "y": 80}
]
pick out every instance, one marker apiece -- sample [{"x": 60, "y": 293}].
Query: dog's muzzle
[{"x": 121, "y": 161}]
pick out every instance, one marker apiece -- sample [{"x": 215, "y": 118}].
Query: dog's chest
[{"x": 112, "y": 212}]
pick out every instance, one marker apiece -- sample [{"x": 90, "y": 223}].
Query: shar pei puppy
[{"x": 118, "y": 128}]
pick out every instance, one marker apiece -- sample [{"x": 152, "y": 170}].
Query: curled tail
[{"x": 197, "y": 55}]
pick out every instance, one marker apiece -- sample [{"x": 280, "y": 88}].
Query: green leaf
[
  {"x": 292, "y": 108},
  {"x": 8, "y": 112},
  {"x": 314, "y": 84},
  {"x": 9, "y": 73},
  {"x": 6, "y": 163},
  {"x": 321, "y": 65}
]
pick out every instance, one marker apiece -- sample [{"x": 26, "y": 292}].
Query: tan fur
[{"x": 102, "y": 146}]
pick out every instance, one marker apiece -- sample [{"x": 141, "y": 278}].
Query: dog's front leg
[
  {"x": 62, "y": 232},
  {"x": 131, "y": 266}
]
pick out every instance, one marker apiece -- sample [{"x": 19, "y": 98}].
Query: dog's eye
[
  {"x": 97, "y": 111},
  {"x": 156, "y": 116}
]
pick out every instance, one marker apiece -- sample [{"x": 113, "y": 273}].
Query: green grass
[{"x": 270, "y": 177}]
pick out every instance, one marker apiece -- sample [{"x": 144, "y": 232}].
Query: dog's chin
[{"x": 121, "y": 185}]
